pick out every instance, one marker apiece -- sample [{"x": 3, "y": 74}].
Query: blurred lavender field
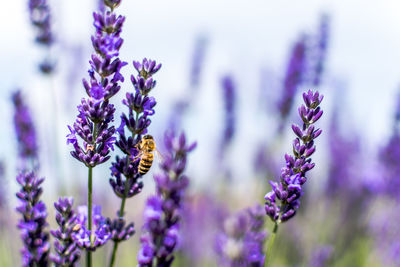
[{"x": 242, "y": 174}]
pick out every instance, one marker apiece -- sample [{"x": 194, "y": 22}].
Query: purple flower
[
  {"x": 162, "y": 211},
  {"x": 140, "y": 108},
  {"x": 293, "y": 77},
  {"x": 24, "y": 129},
  {"x": 41, "y": 19},
  {"x": 289, "y": 189},
  {"x": 241, "y": 242},
  {"x": 67, "y": 252},
  {"x": 95, "y": 113},
  {"x": 319, "y": 51},
  {"x": 33, "y": 222},
  {"x": 97, "y": 237},
  {"x": 229, "y": 88},
  {"x": 120, "y": 231},
  {"x": 320, "y": 256}
]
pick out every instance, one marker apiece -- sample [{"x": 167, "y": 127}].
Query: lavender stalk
[
  {"x": 33, "y": 222},
  {"x": 25, "y": 131},
  {"x": 41, "y": 19},
  {"x": 95, "y": 113},
  {"x": 140, "y": 107},
  {"x": 289, "y": 189},
  {"x": 67, "y": 252},
  {"x": 162, "y": 212}
]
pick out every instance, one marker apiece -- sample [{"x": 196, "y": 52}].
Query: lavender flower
[
  {"x": 2, "y": 191},
  {"x": 289, "y": 190},
  {"x": 198, "y": 61},
  {"x": 140, "y": 107},
  {"x": 162, "y": 212},
  {"x": 241, "y": 243},
  {"x": 319, "y": 52},
  {"x": 95, "y": 113},
  {"x": 294, "y": 76},
  {"x": 229, "y": 87},
  {"x": 342, "y": 178},
  {"x": 320, "y": 256},
  {"x": 33, "y": 222},
  {"x": 24, "y": 129},
  {"x": 94, "y": 238},
  {"x": 41, "y": 19},
  {"x": 67, "y": 252}
]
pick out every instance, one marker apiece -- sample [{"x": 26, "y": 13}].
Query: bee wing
[{"x": 160, "y": 156}]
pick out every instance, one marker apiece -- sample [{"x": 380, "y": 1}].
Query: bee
[{"x": 146, "y": 147}]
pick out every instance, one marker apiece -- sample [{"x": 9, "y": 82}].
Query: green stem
[
  {"x": 90, "y": 185},
  {"x": 122, "y": 207},
  {"x": 270, "y": 245},
  {"x": 121, "y": 214}
]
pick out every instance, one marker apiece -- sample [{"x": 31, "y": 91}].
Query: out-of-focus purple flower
[
  {"x": 86, "y": 239},
  {"x": 202, "y": 215},
  {"x": 2, "y": 191},
  {"x": 320, "y": 256},
  {"x": 319, "y": 51},
  {"x": 162, "y": 211},
  {"x": 33, "y": 222},
  {"x": 342, "y": 178},
  {"x": 95, "y": 113},
  {"x": 198, "y": 61},
  {"x": 229, "y": 96},
  {"x": 24, "y": 129},
  {"x": 41, "y": 19},
  {"x": 289, "y": 189},
  {"x": 293, "y": 78},
  {"x": 241, "y": 242},
  {"x": 67, "y": 252}
]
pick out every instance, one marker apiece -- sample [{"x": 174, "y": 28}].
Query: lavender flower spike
[
  {"x": 294, "y": 76},
  {"x": 33, "y": 222},
  {"x": 241, "y": 242},
  {"x": 95, "y": 113},
  {"x": 90, "y": 239},
  {"x": 126, "y": 179},
  {"x": 67, "y": 251},
  {"x": 24, "y": 129},
  {"x": 162, "y": 212},
  {"x": 289, "y": 189},
  {"x": 41, "y": 19}
]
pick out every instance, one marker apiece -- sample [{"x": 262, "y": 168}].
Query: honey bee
[{"x": 146, "y": 147}]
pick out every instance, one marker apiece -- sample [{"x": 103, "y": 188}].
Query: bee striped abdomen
[{"x": 145, "y": 163}]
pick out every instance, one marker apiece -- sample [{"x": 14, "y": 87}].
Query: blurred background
[{"x": 232, "y": 77}]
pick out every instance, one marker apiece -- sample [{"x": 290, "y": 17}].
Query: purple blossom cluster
[
  {"x": 86, "y": 238},
  {"x": 96, "y": 113},
  {"x": 229, "y": 92},
  {"x": 32, "y": 225},
  {"x": 242, "y": 240},
  {"x": 40, "y": 17},
  {"x": 67, "y": 252},
  {"x": 289, "y": 189},
  {"x": 320, "y": 50},
  {"x": 294, "y": 76},
  {"x": 163, "y": 211},
  {"x": 140, "y": 106},
  {"x": 24, "y": 129}
]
